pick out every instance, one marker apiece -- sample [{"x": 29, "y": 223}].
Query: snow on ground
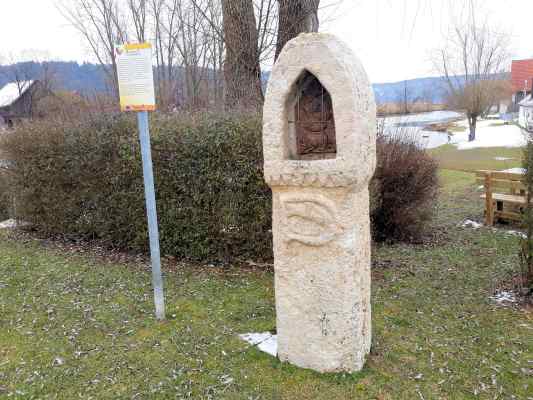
[
  {"x": 413, "y": 125},
  {"x": 515, "y": 170},
  {"x": 266, "y": 342},
  {"x": 490, "y": 133},
  {"x": 504, "y": 298},
  {"x": 471, "y": 224},
  {"x": 12, "y": 224},
  {"x": 468, "y": 223},
  {"x": 9, "y": 224},
  {"x": 424, "y": 118},
  {"x": 516, "y": 233}
]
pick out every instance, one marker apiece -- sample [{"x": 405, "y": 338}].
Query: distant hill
[
  {"x": 431, "y": 90},
  {"x": 84, "y": 78},
  {"x": 89, "y": 78}
]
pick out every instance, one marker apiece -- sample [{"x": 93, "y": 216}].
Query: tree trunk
[
  {"x": 295, "y": 17},
  {"x": 242, "y": 70},
  {"x": 472, "y": 123}
]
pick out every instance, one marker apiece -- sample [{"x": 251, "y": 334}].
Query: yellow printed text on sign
[{"x": 135, "y": 77}]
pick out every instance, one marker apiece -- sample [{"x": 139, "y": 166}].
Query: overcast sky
[{"x": 393, "y": 38}]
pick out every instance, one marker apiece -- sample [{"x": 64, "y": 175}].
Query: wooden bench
[{"x": 505, "y": 195}]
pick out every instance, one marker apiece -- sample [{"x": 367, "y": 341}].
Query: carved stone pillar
[{"x": 319, "y": 149}]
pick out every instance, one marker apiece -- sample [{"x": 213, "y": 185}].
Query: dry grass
[
  {"x": 449, "y": 157},
  {"x": 399, "y": 108}
]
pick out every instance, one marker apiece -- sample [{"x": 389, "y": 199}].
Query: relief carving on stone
[
  {"x": 309, "y": 220},
  {"x": 315, "y": 124}
]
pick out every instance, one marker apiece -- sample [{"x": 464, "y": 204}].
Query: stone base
[{"x": 322, "y": 277}]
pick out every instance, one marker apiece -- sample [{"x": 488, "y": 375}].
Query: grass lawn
[
  {"x": 436, "y": 334},
  {"x": 449, "y": 157}
]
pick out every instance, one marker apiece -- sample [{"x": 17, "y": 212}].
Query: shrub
[
  {"x": 5, "y": 198},
  {"x": 86, "y": 180},
  {"x": 404, "y": 189}
]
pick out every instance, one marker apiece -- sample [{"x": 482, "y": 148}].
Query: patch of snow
[
  {"x": 527, "y": 102},
  {"x": 504, "y": 297},
  {"x": 503, "y": 158},
  {"x": 423, "y": 138},
  {"x": 471, "y": 224},
  {"x": 226, "y": 380},
  {"x": 266, "y": 342},
  {"x": 425, "y": 118},
  {"x": 269, "y": 346},
  {"x": 468, "y": 223},
  {"x": 58, "y": 361},
  {"x": 12, "y": 91},
  {"x": 516, "y": 233},
  {"x": 9, "y": 224},
  {"x": 413, "y": 126},
  {"x": 12, "y": 224},
  {"x": 490, "y": 134},
  {"x": 515, "y": 170}
]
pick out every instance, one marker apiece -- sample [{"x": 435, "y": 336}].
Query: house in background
[
  {"x": 522, "y": 80},
  {"x": 17, "y": 101}
]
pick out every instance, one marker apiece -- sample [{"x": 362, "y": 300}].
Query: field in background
[
  {"x": 493, "y": 158},
  {"x": 385, "y": 109}
]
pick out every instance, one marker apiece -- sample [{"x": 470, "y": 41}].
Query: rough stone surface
[{"x": 321, "y": 211}]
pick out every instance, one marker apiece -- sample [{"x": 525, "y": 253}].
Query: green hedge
[
  {"x": 5, "y": 197},
  {"x": 86, "y": 180}
]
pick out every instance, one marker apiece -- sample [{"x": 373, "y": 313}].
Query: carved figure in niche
[{"x": 315, "y": 124}]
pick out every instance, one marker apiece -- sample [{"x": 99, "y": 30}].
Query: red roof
[{"x": 521, "y": 71}]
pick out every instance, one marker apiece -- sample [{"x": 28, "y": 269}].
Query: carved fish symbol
[{"x": 311, "y": 221}]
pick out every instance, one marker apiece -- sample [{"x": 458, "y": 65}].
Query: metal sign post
[
  {"x": 136, "y": 88},
  {"x": 151, "y": 211}
]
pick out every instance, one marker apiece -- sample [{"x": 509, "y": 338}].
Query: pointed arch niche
[{"x": 311, "y": 133}]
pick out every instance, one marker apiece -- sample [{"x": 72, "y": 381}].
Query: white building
[{"x": 525, "y": 114}]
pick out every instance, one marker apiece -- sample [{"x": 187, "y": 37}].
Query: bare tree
[
  {"x": 216, "y": 50},
  {"x": 247, "y": 41},
  {"x": 499, "y": 92},
  {"x": 267, "y": 25},
  {"x": 192, "y": 45},
  {"x": 242, "y": 69},
  {"x": 259, "y": 42},
  {"x": 102, "y": 25},
  {"x": 404, "y": 98},
  {"x": 427, "y": 98},
  {"x": 196, "y": 42},
  {"x": 138, "y": 13},
  {"x": 163, "y": 14},
  {"x": 189, "y": 44},
  {"x": 474, "y": 56},
  {"x": 295, "y": 17}
]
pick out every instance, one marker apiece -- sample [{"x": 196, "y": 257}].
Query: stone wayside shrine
[{"x": 319, "y": 139}]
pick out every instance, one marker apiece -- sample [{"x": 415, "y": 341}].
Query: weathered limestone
[{"x": 321, "y": 202}]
